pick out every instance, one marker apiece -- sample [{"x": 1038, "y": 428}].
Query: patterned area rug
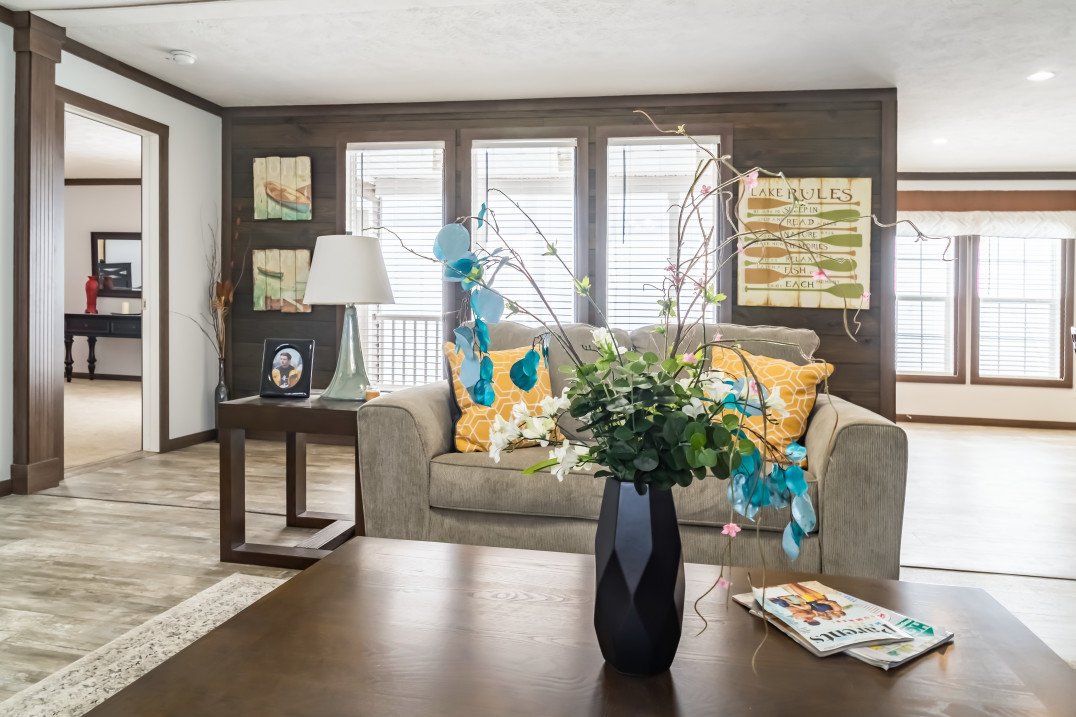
[{"x": 84, "y": 684}]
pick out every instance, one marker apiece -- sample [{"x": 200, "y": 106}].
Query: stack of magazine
[{"x": 826, "y": 622}]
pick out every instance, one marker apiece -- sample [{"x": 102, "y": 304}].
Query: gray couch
[{"x": 416, "y": 486}]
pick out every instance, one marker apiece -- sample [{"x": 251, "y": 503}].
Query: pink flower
[
  {"x": 819, "y": 275},
  {"x": 722, "y": 583},
  {"x": 750, "y": 180},
  {"x": 691, "y": 358},
  {"x": 706, "y": 189},
  {"x": 866, "y": 296},
  {"x": 717, "y": 337},
  {"x": 740, "y": 247},
  {"x": 730, "y": 529}
]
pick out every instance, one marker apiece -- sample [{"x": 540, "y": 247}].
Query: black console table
[{"x": 96, "y": 326}]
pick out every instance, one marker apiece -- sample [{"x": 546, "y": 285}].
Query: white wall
[
  {"x": 7, "y": 209},
  {"x": 974, "y": 400},
  {"x": 99, "y": 209},
  {"x": 194, "y": 177}
]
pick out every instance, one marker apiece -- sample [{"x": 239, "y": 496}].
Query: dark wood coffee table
[{"x": 386, "y": 627}]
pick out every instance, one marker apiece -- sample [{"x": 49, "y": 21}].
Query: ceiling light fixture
[
  {"x": 940, "y": 140},
  {"x": 1042, "y": 76},
  {"x": 182, "y": 57}
]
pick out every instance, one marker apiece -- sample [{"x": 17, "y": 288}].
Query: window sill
[
  {"x": 1026, "y": 382},
  {"x": 929, "y": 378}
]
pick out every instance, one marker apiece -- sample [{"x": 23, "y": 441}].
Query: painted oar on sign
[
  {"x": 822, "y": 263},
  {"x": 778, "y": 228},
  {"x": 771, "y": 203},
  {"x": 780, "y": 252},
  {"x": 833, "y": 215},
  {"x": 841, "y": 291},
  {"x": 768, "y": 276}
]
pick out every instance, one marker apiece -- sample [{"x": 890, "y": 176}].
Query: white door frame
[{"x": 152, "y": 387}]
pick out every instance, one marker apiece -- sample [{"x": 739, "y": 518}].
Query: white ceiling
[
  {"x": 96, "y": 150},
  {"x": 959, "y": 65}
]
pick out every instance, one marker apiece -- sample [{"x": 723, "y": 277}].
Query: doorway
[
  {"x": 103, "y": 284},
  {"x": 115, "y": 262}
]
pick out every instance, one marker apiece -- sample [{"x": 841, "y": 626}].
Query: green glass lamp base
[{"x": 349, "y": 382}]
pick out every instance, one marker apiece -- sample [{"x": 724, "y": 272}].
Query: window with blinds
[
  {"x": 1020, "y": 294},
  {"x": 926, "y": 301},
  {"x": 540, "y": 176},
  {"x": 647, "y": 178},
  {"x": 400, "y": 186}
]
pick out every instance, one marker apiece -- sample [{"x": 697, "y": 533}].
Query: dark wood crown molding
[
  {"x": 554, "y": 104},
  {"x": 102, "y": 181},
  {"x": 954, "y": 176}
]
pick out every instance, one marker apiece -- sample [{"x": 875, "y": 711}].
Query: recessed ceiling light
[
  {"x": 940, "y": 140},
  {"x": 1042, "y": 76},
  {"x": 182, "y": 57}
]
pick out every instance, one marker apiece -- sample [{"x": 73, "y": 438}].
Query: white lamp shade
[{"x": 348, "y": 270}]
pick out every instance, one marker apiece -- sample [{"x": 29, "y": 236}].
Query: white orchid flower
[
  {"x": 520, "y": 412},
  {"x": 497, "y": 443},
  {"x": 605, "y": 343},
  {"x": 567, "y": 456},
  {"x": 554, "y": 405},
  {"x": 776, "y": 404},
  {"x": 505, "y": 427},
  {"x": 713, "y": 384},
  {"x": 538, "y": 428},
  {"x": 694, "y": 409}
]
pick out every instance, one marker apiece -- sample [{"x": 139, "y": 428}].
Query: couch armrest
[
  {"x": 399, "y": 434},
  {"x": 861, "y": 461}
]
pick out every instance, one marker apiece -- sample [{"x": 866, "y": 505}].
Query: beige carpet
[{"x": 102, "y": 420}]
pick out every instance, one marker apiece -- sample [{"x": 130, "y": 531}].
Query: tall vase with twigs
[{"x": 213, "y": 322}]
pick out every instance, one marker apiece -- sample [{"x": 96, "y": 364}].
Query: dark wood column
[{"x": 38, "y": 329}]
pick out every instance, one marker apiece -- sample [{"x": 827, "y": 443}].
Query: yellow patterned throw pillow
[
  {"x": 796, "y": 385},
  {"x": 476, "y": 421}
]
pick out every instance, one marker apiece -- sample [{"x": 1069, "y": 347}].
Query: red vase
[{"x": 91, "y": 295}]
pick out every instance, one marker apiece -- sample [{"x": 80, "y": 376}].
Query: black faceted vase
[{"x": 639, "y": 598}]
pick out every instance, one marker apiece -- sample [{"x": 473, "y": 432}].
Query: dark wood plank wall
[{"x": 806, "y": 134}]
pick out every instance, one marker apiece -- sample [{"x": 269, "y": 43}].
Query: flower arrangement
[{"x": 654, "y": 420}]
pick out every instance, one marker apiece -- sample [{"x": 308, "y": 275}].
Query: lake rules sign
[{"x": 826, "y": 263}]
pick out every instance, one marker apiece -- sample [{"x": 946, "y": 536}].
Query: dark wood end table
[{"x": 296, "y": 418}]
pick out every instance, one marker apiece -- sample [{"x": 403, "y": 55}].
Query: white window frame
[{"x": 604, "y": 133}]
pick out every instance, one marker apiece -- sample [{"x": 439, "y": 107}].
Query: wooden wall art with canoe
[
  {"x": 829, "y": 266},
  {"x": 282, "y": 188}
]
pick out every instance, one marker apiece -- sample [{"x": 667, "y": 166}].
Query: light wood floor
[
  {"x": 997, "y": 500},
  {"x": 119, "y": 543},
  {"x": 102, "y": 420}
]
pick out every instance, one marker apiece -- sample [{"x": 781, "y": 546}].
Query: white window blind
[
  {"x": 1020, "y": 294},
  {"x": 540, "y": 176},
  {"x": 400, "y": 186},
  {"x": 647, "y": 181},
  {"x": 926, "y": 297}
]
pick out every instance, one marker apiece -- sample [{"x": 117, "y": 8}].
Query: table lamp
[{"x": 348, "y": 270}]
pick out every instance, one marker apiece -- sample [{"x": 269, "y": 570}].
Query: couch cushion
[
  {"x": 755, "y": 339},
  {"x": 474, "y": 424},
  {"x": 472, "y": 481}
]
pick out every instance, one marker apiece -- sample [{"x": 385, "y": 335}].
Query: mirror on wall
[{"x": 116, "y": 261}]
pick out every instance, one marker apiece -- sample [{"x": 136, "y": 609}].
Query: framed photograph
[{"x": 287, "y": 366}]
